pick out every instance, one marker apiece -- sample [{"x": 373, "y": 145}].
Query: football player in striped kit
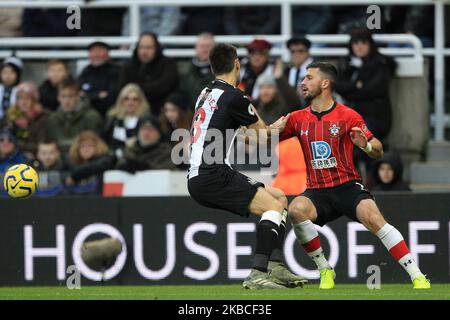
[{"x": 213, "y": 183}]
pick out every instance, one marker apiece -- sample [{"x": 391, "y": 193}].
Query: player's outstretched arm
[{"x": 373, "y": 148}]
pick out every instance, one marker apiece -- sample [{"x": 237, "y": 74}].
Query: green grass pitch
[{"x": 226, "y": 292}]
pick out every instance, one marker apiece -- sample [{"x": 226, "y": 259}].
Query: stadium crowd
[{"x": 112, "y": 115}]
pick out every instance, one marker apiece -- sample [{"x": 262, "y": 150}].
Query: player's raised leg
[
  {"x": 270, "y": 210},
  {"x": 303, "y": 213},
  {"x": 276, "y": 267},
  {"x": 370, "y": 216}
]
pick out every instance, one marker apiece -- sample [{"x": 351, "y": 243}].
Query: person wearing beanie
[
  {"x": 257, "y": 64},
  {"x": 148, "y": 151},
  {"x": 276, "y": 97},
  {"x": 10, "y": 154},
  {"x": 10, "y": 74},
  {"x": 98, "y": 80},
  {"x": 28, "y": 119}
]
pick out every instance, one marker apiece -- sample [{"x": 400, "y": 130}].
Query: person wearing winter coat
[
  {"x": 72, "y": 117},
  {"x": 363, "y": 81},
  {"x": 89, "y": 157},
  {"x": 148, "y": 151},
  {"x": 156, "y": 74},
  {"x": 388, "y": 173}
]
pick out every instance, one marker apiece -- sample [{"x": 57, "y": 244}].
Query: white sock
[
  {"x": 393, "y": 240},
  {"x": 309, "y": 239}
]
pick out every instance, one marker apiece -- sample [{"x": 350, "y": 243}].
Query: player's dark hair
[
  {"x": 326, "y": 69},
  {"x": 222, "y": 58}
]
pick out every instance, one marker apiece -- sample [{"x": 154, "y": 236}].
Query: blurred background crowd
[{"x": 75, "y": 124}]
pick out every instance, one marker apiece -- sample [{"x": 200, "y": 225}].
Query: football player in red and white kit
[{"x": 328, "y": 132}]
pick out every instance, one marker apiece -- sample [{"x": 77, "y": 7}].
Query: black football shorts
[
  {"x": 221, "y": 187},
  {"x": 332, "y": 203}
]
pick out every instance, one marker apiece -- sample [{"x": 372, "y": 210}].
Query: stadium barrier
[{"x": 172, "y": 240}]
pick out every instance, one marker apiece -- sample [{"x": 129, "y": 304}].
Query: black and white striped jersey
[{"x": 221, "y": 110}]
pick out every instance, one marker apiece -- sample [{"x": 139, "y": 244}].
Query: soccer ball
[{"x": 20, "y": 181}]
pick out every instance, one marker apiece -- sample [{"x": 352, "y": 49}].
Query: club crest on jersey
[
  {"x": 321, "y": 153},
  {"x": 334, "y": 130}
]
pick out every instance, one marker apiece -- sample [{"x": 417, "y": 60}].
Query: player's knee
[
  {"x": 371, "y": 217},
  {"x": 298, "y": 212}
]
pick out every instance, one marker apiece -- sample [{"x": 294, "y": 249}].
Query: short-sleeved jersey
[
  {"x": 220, "y": 108},
  {"x": 326, "y": 143}
]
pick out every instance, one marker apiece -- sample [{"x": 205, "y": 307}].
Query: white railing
[{"x": 438, "y": 52}]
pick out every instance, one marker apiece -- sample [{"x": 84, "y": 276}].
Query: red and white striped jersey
[{"x": 326, "y": 143}]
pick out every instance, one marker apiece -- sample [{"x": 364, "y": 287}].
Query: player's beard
[{"x": 311, "y": 94}]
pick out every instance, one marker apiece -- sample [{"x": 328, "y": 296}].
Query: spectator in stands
[
  {"x": 89, "y": 157},
  {"x": 252, "y": 20},
  {"x": 276, "y": 96},
  {"x": 175, "y": 115},
  {"x": 148, "y": 151},
  {"x": 388, "y": 174},
  {"x": 199, "y": 74},
  {"x": 156, "y": 74},
  {"x": 312, "y": 19},
  {"x": 300, "y": 59},
  {"x": 46, "y": 23},
  {"x": 203, "y": 19},
  {"x": 72, "y": 117},
  {"x": 57, "y": 72},
  {"x": 363, "y": 82},
  {"x": 123, "y": 118},
  {"x": 10, "y": 22},
  {"x": 10, "y": 153},
  {"x": 163, "y": 21},
  {"x": 98, "y": 80},
  {"x": 50, "y": 167},
  {"x": 10, "y": 73},
  {"x": 27, "y": 119},
  {"x": 257, "y": 64},
  {"x": 48, "y": 157}
]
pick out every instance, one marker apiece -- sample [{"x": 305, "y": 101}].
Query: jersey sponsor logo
[
  {"x": 321, "y": 153},
  {"x": 334, "y": 130}
]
